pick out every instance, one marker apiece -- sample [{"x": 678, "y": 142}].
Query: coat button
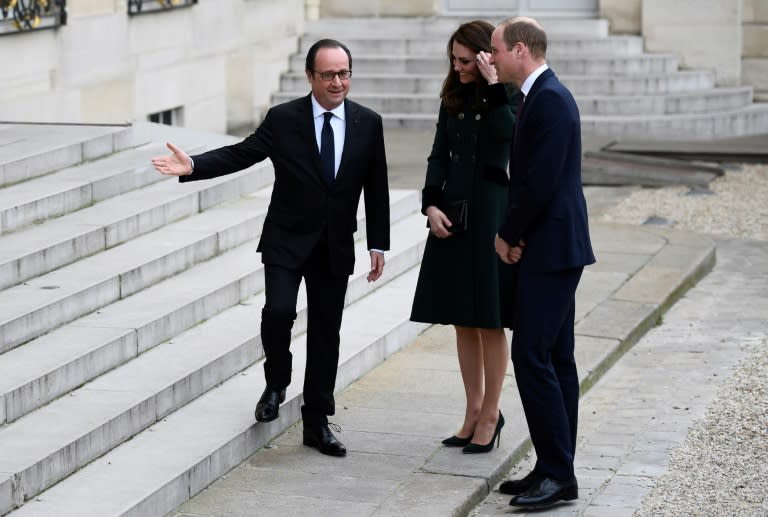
[
  {"x": 478, "y": 117},
  {"x": 460, "y": 116}
]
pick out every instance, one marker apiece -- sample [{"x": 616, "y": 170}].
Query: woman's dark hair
[
  {"x": 309, "y": 64},
  {"x": 476, "y": 36}
]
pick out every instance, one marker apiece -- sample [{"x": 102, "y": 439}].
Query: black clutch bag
[{"x": 456, "y": 212}]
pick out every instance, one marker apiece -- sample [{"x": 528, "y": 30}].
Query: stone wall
[
  {"x": 216, "y": 63},
  {"x": 379, "y": 7},
  {"x": 755, "y": 49},
  {"x": 705, "y": 34},
  {"x": 623, "y": 15}
]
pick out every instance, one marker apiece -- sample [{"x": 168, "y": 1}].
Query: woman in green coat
[{"x": 462, "y": 282}]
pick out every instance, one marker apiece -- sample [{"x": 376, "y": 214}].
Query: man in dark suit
[
  {"x": 326, "y": 150},
  {"x": 545, "y": 231}
]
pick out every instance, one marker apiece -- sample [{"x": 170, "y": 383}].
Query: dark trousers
[
  {"x": 325, "y": 303},
  {"x": 545, "y": 367}
]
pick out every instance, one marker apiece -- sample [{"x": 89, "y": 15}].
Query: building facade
[{"x": 213, "y": 65}]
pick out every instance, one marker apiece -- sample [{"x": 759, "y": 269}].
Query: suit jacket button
[{"x": 460, "y": 116}]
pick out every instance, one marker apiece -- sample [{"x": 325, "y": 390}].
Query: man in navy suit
[
  {"x": 326, "y": 150},
  {"x": 545, "y": 231}
]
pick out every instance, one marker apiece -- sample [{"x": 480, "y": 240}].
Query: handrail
[{"x": 153, "y": 6}]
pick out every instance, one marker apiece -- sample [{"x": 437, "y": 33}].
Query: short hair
[
  {"x": 309, "y": 64},
  {"x": 528, "y": 32}
]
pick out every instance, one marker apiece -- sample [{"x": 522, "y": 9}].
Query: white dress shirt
[{"x": 528, "y": 83}]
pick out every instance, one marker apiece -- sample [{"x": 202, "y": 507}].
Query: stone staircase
[
  {"x": 130, "y": 357},
  {"x": 622, "y": 92}
]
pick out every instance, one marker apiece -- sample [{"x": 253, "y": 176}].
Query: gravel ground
[
  {"x": 736, "y": 207},
  {"x": 721, "y": 469}
]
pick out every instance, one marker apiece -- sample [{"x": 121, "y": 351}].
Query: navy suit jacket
[
  {"x": 547, "y": 209},
  {"x": 303, "y": 207}
]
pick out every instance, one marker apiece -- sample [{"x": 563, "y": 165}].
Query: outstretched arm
[{"x": 177, "y": 164}]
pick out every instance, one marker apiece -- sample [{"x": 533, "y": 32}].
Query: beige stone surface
[
  {"x": 90, "y": 7},
  {"x": 623, "y": 15},
  {"x": 756, "y": 73},
  {"x": 378, "y": 8},
  {"x": 108, "y": 102},
  {"x": 688, "y": 28},
  {"x": 755, "y": 11},
  {"x": 756, "y": 40}
]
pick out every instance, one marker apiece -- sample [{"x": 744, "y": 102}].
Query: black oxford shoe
[
  {"x": 546, "y": 493},
  {"x": 269, "y": 404},
  {"x": 520, "y": 486},
  {"x": 322, "y": 439}
]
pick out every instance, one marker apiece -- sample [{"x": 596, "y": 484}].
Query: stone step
[
  {"x": 43, "y": 303},
  {"x": 612, "y": 168},
  {"x": 77, "y": 187},
  {"x": 31, "y": 150},
  {"x": 183, "y": 453},
  {"x": 393, "y": 26},
  {"x": 644, "y": 84},
  {"x": 116, "y": 406},
  {"x": 69, "y": 356},
  {"x": 749, "y": 120},
  {"x": 717, "y": 99},
  {"x": 417, "y": 44},
  {"x": 563, "y": 64},
  {"x": 37, "y": 250}
]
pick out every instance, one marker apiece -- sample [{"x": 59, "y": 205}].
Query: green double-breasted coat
[{"x": 462, "y": 281}]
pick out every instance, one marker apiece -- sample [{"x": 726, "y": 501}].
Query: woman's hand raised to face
[{"x": 487, "y": 70}]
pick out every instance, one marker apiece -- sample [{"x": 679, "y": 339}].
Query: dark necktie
[
  {"x": 327, "y": 154},
  {"x": 519, "y": 113}
]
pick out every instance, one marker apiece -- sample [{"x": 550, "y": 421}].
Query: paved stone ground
[
  {"x": 639, "y": 413},
  {"x": 635, "y": 419}
]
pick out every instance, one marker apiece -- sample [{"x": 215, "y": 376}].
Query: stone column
[
  {"x": 702, "y": 33},
  {"x": 755, "y": 51}
]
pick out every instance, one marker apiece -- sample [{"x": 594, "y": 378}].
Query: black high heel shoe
[
  {"x": 474, "y": 448},
  {"x": 455, "y": 441}
]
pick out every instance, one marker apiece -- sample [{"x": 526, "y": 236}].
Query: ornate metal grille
[
  {"x": 152, "y": 6},
  {"x": 26, "y": 15}
]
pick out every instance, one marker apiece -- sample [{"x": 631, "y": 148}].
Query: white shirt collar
[
  {"x": 317, "y": 110},
  {"x": 528, "y": 83}
]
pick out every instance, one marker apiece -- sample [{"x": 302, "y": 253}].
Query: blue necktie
[{"x": 327, "y": 154}]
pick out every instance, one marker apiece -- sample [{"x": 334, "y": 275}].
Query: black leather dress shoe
[
  {"x": 520, "y": 486},
  {"x": 322, "y": 439},
  {"x": 269, "y": 404},
  {"x": 546, "y": 493}
]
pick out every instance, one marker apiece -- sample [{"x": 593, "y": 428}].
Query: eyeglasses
[{"x": 328, "y": 76}]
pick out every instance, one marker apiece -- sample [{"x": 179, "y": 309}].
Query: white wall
[{"x": 219, "y": 60}]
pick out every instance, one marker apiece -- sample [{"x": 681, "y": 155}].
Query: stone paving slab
[
  {"x": 390, "y": 416},
  {"x": 640, "y": 411}
]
